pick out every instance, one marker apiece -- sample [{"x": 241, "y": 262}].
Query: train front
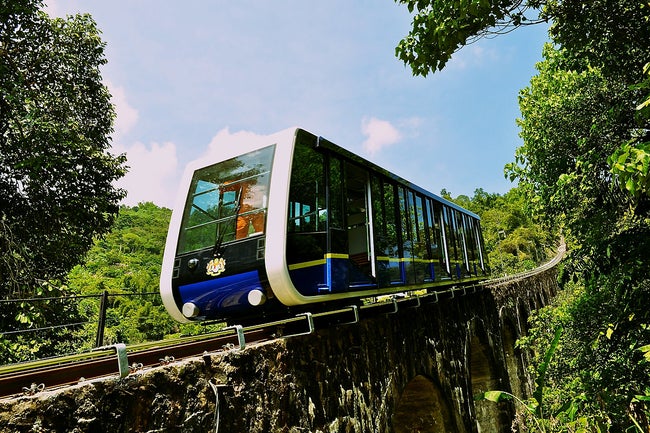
[{"x": 214, "y": 258}]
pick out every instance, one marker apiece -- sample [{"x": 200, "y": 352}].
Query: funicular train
[{"x": 293, "y": 219}]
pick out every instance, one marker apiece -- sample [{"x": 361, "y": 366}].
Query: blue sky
[{"x": 190, "y": 77}]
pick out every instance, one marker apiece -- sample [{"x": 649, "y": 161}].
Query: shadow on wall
[{"x": 423, "y": 408}]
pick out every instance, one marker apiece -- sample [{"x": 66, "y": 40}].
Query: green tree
[
  {"x": 578, "y": 116},
  {"x": 630, "y": 163},
  {"x": 583, "y": 166},
  {"x": 126, "y": 263},
  {"x": 56, "y": 172},
  {"x": 598, "y": 30},
  {"x": 572, "y": 121},
  {"x": 515, "y": 242},
  {"x": 442, "y": 27}
]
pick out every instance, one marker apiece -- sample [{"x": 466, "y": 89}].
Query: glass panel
[
  {"x": 481, "y": 246},
  {"x": 388, "y": 252},
  {"x": 336, "y": 193},
  {"x": 462, "y": 247},
  {"x": 382, "y": 264},
  {"x": 439, "y": 213},
  {"x": 222, "y": 192},
  {"x": 409, "y": 232},
  {"x": 307, "y": 223},
  {"x": 472, "y": 244},
  {"x": 437, "y": 241},
  {"x": 307, "y": 208},
  {"x": 391, "y": 246},
  {"x": 433, "y": 232},
  {"x": 450, "y": 234},
  {"x": 420, "y": 247}
]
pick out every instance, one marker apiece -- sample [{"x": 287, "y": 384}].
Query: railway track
[{"x": 119, "y": 360}]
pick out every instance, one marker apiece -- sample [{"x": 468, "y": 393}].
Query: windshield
[{"x": 227, "y": 201}]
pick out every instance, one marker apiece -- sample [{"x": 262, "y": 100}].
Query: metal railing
[
  {"x": 496, "y": 282},
  {"x": 98, "y": 318}
]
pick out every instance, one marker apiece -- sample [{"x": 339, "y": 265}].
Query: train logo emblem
[{"x": 216, "y": 266}]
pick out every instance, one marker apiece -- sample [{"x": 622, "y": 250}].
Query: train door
[
  {"x": 462, "y": 244},
  {"x": 385, "y": 227},
  {"x": 449, "y": 241},
  {"x": 358, "y": 224}
]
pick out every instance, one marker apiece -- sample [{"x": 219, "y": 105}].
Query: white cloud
[
  {"x": 127, "y": 116},
  {"x": 472, "y": 56},
  {"x": 153, "y": 170},
  {"x": 225, "y": 138},
  {"x": 153, "y": 173},
  {"x": 52, "y": 8},
  {"x": 379, "y": 133}
]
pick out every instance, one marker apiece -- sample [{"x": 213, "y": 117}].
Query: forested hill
[
  {"x": 129, "y": 257},
  {"x": 127, "y": 261}
]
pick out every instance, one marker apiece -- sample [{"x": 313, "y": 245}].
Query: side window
[
  {"x": 392, "y": 245},
  {"x": 450, "y": 232},
  {"x": 307, "y": 212},
  {"x": 433, "y": 223},
  {"x": 336, "y": 192},
  {"x": 307, "y": 207},
  {"x": 378, "y": 215},
  {"x": 462, "y": 245},
  {"x": 387, "y": 247},
  {"x": 470, "y": 239},
  {"x": 420, "y": 248}
]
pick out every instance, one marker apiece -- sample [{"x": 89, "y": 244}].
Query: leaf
[
  {"x": 630, "y": 185},
  {"x": 541, "y": 371},
  {"x": 646, "y": 351},
  {"x": 495, "y": 396}
]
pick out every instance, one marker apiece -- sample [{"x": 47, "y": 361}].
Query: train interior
[{"x": 358, "y": 227}]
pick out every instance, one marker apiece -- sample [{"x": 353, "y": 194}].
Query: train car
[{"x": 292, "y": 219}]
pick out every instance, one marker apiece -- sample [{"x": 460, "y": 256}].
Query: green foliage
[
  {"x": 56, "y": 173},
  {"x": 513, "y": 240},
  {"x": 37, "y": 317},
  {"x": 630, "y": 162},
  {"x": 611, "y": 35},
  {"x": 441, "y": 27},
  {"x": 127, "y": 262},
  {"x": 599, "y": 386},
  {"x": 583, "y": 167},
  {"x": 572, "y": 121},
  {"x": 540, "y": 380}
]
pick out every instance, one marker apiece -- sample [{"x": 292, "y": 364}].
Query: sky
[{"x": 189, "y": 78}]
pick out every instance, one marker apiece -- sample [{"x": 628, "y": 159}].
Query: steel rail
[
  {"x": 496, "y": 282},
  {"x": 30, "y": 377}
]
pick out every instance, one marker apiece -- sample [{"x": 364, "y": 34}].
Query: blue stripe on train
[
  {"x": 334, "y": 276},
  {"x": 223, "y": 294}
]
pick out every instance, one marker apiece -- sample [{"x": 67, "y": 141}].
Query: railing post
[{"x": 99, "y": 341}]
